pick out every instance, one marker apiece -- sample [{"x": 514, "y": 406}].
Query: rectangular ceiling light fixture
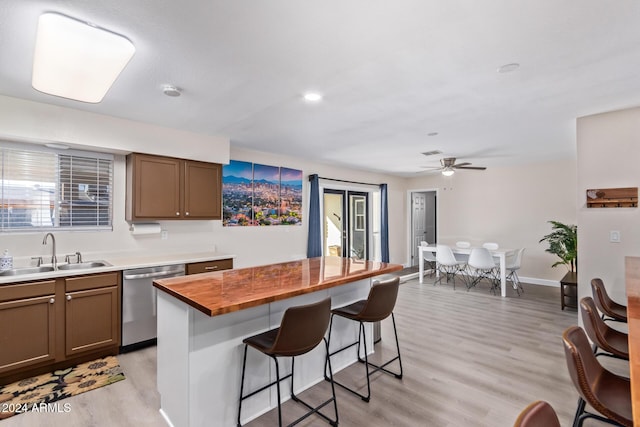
[{"x": 76, "y": 60}]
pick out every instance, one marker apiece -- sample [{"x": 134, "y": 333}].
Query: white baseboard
[{"x": 543, "y": 282}]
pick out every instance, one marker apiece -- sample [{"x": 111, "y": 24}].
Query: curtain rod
[{"x": 349, "y": 182}]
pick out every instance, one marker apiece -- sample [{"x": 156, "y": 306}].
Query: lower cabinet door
[
  {"x": 91, "y": 320},
  {"x": 27, "y": 332}
]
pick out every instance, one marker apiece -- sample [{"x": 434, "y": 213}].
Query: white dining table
[{"x": 500, "y": 254}]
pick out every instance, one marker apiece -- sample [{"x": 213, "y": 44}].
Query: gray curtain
[
  {"x": 384, "y": 226},
  {"x": 314, "y": 239}
]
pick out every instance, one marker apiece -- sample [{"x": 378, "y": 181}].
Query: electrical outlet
[
  {"x": 614, "y": 236},
  {"x": 164, "y": 234}
]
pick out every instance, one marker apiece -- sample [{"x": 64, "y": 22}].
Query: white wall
[
  {"x": 507, "y": 205},
  {"x": 608, "y": 153},
  {"x": 29, "y": 121}
]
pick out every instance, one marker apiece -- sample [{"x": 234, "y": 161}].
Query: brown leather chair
[
  {"x": 378, "y": 306},
  {"x": 537, "y": 414},
  {"x": 610, "y": 309},
  {"x": 604, "y": 391},
  {"x": 301, "y": 330},
  {"x": 611, "y": 341}
]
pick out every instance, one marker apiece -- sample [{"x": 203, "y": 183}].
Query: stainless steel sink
[
  {"x": 83, "y": 265},
  {"x": 25, "y": 270}
]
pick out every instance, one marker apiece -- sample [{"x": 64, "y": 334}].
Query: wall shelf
[{"x": 612, "y": 198}]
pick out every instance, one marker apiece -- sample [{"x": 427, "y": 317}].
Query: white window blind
[{"x": 43, "y": 189}]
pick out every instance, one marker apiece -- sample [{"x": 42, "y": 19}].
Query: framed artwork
[
  {"x": 237, "y": 194},
  {"x": 266, "y": 194},
  {"x": 290, "y": 196},
  {"x": 260, "y": 195}
]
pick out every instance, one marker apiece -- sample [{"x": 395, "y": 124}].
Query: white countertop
[{"x": 121, "y": 262}]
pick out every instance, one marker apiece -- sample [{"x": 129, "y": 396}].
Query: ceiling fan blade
[
  {"x": 478, "y": 168},
  {"x": 431, "y": 167},
  {"x": 461, "y": 164}
]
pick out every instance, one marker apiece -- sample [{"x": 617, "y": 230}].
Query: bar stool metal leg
[{"x": 362, "y": 338}]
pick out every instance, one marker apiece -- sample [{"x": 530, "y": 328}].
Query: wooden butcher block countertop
[{"x": 232, "y": 290}]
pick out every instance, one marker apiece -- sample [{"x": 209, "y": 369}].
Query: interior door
[{"x": 423, "y": 221}]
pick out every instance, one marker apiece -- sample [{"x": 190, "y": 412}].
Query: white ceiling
[{"x": 391, "y": 71}]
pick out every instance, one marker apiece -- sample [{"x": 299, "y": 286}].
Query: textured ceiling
[{"x": 391, "y": 73}]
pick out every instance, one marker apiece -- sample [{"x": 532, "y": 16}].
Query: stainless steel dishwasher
[{"x": 139, "y": 304}]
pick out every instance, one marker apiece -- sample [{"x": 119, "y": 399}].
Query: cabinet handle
[
  {"x": 52, "y": 300},
  {"x": 68, "y": 297},
  {"x": 213, "y": 267}
]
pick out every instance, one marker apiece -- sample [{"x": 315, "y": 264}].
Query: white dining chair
[
  {"x": 491, "y": 246},
  {"x": 430, "y": 258},
  {"x": 512, "y": 265},
  {"x": 447, "y": 264},
  {"x": 481, "y": 265}
]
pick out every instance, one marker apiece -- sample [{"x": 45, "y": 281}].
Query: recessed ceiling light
[
  {"x": 312, "y": 97},
  {"x": 507, "y": 68},
  {"x": 171, "y": 90},
  {"x": 75, "y": 60},
  {"x": 432, "y": 134}
]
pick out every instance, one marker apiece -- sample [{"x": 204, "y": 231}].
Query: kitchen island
[{"x": 203, "y": 318}]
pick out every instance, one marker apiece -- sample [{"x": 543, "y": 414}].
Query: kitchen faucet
[{"x": 54, "y": 260}]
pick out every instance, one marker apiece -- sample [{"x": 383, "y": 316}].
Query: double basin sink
[{"x": 87, "y": 265}]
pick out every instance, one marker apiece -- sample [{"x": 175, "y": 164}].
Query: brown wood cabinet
[
  {"x": 209, "y": 266},
  {"x": 56, "y": 323},
  {"x": 92, "y": 313},
  {"x": 168, "y": 188},
  {"x": 27, "y": 324}
]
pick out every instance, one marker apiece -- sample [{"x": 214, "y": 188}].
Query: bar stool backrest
[
  {"x": 538, "y": 414},
  {"x": 301, "y": 329},
  {"x": 601, "y": 297},
  {"x": 381, "y": 301},
  {"x": 594, "y": 326},
  {"x": 586, "y": 372}
]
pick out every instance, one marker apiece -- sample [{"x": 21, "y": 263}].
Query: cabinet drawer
[
  {"x": 209, "y": 266},
  {"x": 27, "y": 290},
  {"x": 93, "y": 281}
]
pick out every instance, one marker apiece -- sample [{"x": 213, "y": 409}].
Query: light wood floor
[{"x": 470, "y": 359}]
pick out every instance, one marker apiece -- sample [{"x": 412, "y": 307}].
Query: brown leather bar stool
[
  {"x": 301, "y": 330},
  {"x": 610, "y": 309},
  {"x": 611, "y": 341},
  {"x": 378, "y": 306},
  {"x": 604, "y": 391},
  {"x": 537, "y": 414}
]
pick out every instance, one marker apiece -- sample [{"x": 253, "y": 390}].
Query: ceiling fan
[{"x": 449, "y": 165}]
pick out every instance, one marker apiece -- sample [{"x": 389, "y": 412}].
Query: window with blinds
[{"x": 45, "y": 189}]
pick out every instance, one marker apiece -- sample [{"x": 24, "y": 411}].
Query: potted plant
[{"x": 563, "y": 242}]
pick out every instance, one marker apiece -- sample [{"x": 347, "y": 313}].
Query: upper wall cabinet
[{"x": 167, "y": 188}]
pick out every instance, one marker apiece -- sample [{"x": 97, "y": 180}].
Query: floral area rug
[{"x": 40, "y": 394}]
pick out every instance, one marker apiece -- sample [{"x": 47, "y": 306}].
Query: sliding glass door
[{"x": 346, "y": 223}]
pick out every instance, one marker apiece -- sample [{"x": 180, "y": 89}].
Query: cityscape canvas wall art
[{"x": 260, "y": 195}]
